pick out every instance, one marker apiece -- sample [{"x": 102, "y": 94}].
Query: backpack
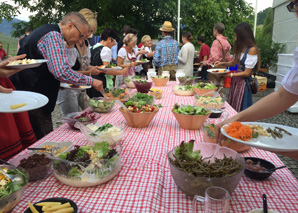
[{"x": 95, "y": 55}]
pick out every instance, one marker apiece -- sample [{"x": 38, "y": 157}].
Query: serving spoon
[
  {"x": 11, "y": 177},
  {"x": 274, "y": 169},
  {"x": 122, "y": 105},
  {"x": 186, "y": 80}
]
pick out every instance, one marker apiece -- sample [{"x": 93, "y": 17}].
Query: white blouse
[
  {"x": 251, "y": 61},
  {"x": 106, "y": 54},
  {"x": 72, "y": 55},
  {"x": 290, "y": 81}
]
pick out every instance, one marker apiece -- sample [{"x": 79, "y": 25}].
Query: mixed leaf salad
[
  {"x": 8, "y": 186},
  {"x": 86, "y": 162},
  {"x": 203, "y": 85},
  {"x": 190, "y": 110},
  {"x": 185, "y": 88},
  {"x": 143, "y": 98},
  {"x": 159, "y": 77},
  {"x": 101, "y": 104}
]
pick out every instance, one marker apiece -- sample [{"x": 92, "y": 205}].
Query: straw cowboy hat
[{"x": 166, "y": 27}]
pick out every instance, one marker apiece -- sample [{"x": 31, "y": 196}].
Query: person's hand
[
  {"x": 133, "y": 64},
  {"x": 124, "y": 70},
  {"x": 217, "y": 64},
  {"x": 204, "y": 63},
  {"x": 97, "y": 84},
  {"x": 218, "y": 136},
  {"x": 5, "y": 72},
  {"x": 5, "y": 90},
  {"x": 94, "y": 71},
  {"x": 143, "y": 52}
]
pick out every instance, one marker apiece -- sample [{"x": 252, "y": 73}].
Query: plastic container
[
  {"x": 38, "y": 169},
  {"x": 191, "y": 185},
  {"x": 112, "y": 135},
  {"x": 7, "y": 203},
  {"x": 89, "y": 174}
]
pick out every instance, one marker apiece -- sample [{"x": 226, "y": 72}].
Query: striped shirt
[
  {"x": 52, "y": 48},
  {"x": 166, "y": 52}
]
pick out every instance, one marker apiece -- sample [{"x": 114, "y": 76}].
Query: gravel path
[{"x": 284, "y": 118}]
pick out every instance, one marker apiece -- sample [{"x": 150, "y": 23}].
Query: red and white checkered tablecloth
[{"x": 145, "y": 184}]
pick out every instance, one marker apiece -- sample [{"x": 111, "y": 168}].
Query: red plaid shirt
[{"x": 53, "y": 49}]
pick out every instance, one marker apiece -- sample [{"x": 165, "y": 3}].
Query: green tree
[
  {"x": 198, "y": 16},
  {"x": 262, "y": 15},
  {"x": 268, "y": 25}
]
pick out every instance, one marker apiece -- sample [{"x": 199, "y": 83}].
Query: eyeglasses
[
  {"x": 293, "y": 6},
  {"x": 81, "y": 35}
]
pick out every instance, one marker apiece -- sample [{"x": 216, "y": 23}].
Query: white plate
[
  {"x": 287, "y": 143},
  {"x": 143, "y": 62},
  {"x": 26, "y": 66},
  {"x": 215, "y": 69},
  {"x": 113, "y": 68},
  {"x": 32, "y": 99},
  {"x": 67, "y": 144},
  {"x": 66, "y": 86}
]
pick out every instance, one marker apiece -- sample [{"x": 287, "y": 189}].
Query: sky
[{"x": 262, "y": 4}]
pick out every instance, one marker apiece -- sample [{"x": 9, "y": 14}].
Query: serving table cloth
[{"x": 144, "y": 183}]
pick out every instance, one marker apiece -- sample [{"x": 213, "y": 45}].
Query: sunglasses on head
[{"x": 293, "y": 6}]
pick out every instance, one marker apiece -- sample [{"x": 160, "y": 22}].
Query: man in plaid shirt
[
  {"x": 166, "y": 51},
  {"x": 47, "y": 42}
]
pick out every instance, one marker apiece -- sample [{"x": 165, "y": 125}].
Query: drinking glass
[{"x": 216, "y": 200}]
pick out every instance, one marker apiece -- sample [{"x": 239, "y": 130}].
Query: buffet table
[{"x": 144, "y": 183}]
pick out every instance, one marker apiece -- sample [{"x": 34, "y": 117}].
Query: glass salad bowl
[
  {"x": 196, "y": 183},
  {"x": 11, "y": 194},
  {"x": 101, "y": 104},
  {"x": 86, "y": 166},
  {"x": 97, "y": 132},
  {"x": 210, "y": 100},
  {"x": 186, "y": 90}
]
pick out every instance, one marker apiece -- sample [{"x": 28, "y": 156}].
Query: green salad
[
  {"x": 143, "y": 98},
  {"x": 185, "y": 88},
  {"x": 190, "y": 110},
  {"x": 159, "y": 77},
  {"x": 86, "y": 162},
  {"x": 8, "y": 186},
  {"x": 101, "y": 105},
  {"x": 203, "y": 85}
]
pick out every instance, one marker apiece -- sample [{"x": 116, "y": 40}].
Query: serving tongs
[
  {"x": 188, "y": 79},
  {"x": 122, "y": 105},
  {"x": 45, "y": 149}
]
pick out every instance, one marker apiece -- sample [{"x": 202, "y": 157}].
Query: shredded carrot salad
[{"x": 239, "y": 131}]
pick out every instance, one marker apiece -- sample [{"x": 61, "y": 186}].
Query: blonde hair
[
  {"x": 129, "y": 38},
  {"x": 90, "y": 17},
  {"x": 145, "y": 38}
]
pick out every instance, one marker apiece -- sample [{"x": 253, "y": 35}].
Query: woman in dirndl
[{"x": 246, "y": 53}]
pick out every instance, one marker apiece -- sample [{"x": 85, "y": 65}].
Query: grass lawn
[{"x": 9, "y": 43}]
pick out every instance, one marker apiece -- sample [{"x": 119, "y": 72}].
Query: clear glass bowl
[
  {"x": 191, "y": 185},
  {"x": 8, "y": 202},
  {"x": 95, "y": 173},
  {"x": 111, "y": 136},
  {"x": 101, "y": 104},
  {"x": 210, "y": 102},
  {"x": 36, "y": 171},
  {"x": 85, "y": 117}
]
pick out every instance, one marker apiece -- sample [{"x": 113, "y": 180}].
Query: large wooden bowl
[
  {"x": 138, "y": 120},
  {"x": 191, "y": 122},
  {"x": 201, "y": 92},
  {"x": 160, "y": 82}
]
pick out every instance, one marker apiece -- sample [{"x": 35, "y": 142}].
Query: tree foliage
[
  {"x": 198, "y": 16},
  {"x": 262, "y": 15}
]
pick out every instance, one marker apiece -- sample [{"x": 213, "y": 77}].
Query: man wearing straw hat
[{"x": 166, "y": 51}]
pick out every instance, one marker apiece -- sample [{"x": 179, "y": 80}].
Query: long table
[{"x": 145, "y": 184}]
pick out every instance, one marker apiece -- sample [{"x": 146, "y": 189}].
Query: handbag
[{"x": 254, "y": 85}]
